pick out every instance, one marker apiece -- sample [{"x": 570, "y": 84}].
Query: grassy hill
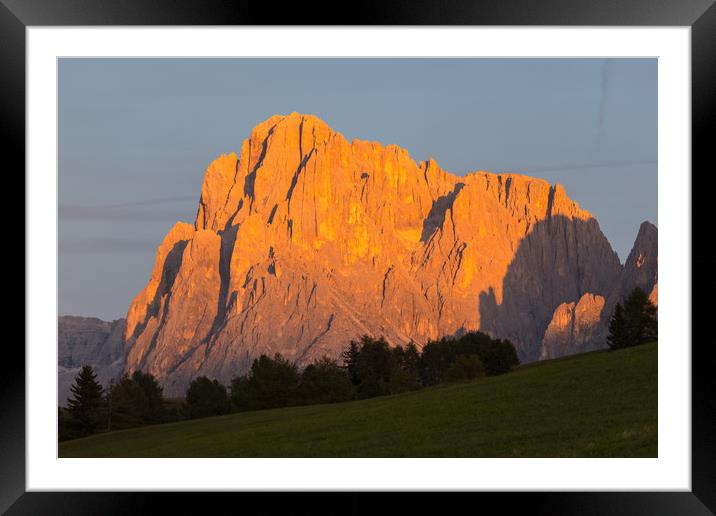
[{"x": 601, "y": 404}]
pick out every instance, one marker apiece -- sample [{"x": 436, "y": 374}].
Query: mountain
[
  {"x": 306, "y": 240},
  {"x": 642, "y": 265},
  {"x": 584, "y": 325},
  {"x": 88, "y": 341}
]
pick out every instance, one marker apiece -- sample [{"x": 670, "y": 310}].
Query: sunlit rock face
[
  {"x": 575, "y": 328},
  {"x": 654, "y": 296},
  {"x": 305, "y": 241}
]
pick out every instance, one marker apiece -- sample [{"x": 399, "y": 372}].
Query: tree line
[
  {"x": 369, "y": 367},
  {"x": 133, "y": 401}
]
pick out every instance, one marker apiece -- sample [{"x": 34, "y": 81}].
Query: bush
[{"x": 206, "y": 398}]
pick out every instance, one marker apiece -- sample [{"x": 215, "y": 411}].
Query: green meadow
[{"x": 600, "y": 404}]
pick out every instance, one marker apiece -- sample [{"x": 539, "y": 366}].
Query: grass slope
[{"x": 601, "y": 404}]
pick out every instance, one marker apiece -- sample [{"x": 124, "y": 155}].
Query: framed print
[{"x": 416, "y": 253}]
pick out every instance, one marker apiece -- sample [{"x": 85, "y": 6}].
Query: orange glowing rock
[{"x": 306, "y": 241}]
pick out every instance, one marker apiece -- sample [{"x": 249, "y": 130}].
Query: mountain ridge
[
  {"x": 304, "y": 241},
  {"x": 88, "y": 341}
]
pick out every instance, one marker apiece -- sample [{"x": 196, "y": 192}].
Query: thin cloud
[
  {"x": 106, "y": 245},
  {"x": 124, "y": 211},
  {"x": 154, "y": 202},
  {"x": 582, "y": 165}
]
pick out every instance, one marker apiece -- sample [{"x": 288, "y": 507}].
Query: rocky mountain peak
[
  {"x": 642, "y": 265},
  {"x": 304, "y": 241}
]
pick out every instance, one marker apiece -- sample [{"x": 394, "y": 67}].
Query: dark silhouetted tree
[
  {"x": 404, "y": 375},
  {"x": 618, "y": 334},
  {"x": 408, "y": 358},
  {"x": 324, "y": 381},
  {"x": 240, "y": 394},
  {"x": 152, "y": 410},
  {"x": 125, "y": 401},
  {"x": 377, "y": 369},
  {"x": 373, "y": 367},
  {"x": 640, "y": 314},
  {"x": 497, "y": 356},
  {"x": 635, "y": 322},
  {"x": 271, "y": 383},
  {"x": 86, "y": 406},
  {"x": 435, "y": 360},
  {"x": 135, "y": 400},
  {"x": 206, "y": 398},
  {"x": 466, "y": 367},
  {"x": 350, "y": 357}
]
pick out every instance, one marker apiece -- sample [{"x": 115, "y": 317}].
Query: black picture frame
[{"x": 16, "y": 15}]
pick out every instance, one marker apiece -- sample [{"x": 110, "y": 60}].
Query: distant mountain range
[
  {"x": 88, "y": 341},
  {"x": 306, "y": 241}
]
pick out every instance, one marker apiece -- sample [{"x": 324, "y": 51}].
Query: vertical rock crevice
[{"x": 306, "y": 241}]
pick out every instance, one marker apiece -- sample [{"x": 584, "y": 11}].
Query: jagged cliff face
[
  {"x": 88, "y": 341},
  {"x": 583, "y": 326},
  {"x": 576, "y": 328},
  {"x": 306, "y": 240},
  {"x": 642, "y": 265}
]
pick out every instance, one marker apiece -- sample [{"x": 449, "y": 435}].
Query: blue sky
[{"x": 135, "y": 136}]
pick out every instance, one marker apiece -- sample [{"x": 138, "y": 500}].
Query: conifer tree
[
  {"x": 633, "y": 323},
  {"x": 87, "y": 404},
  {"x": 350, "y": 358},
  {"x": 640, "y": 314},
  {"x": 618, "y": 335},
  {"x": 205, "y": 398}
]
